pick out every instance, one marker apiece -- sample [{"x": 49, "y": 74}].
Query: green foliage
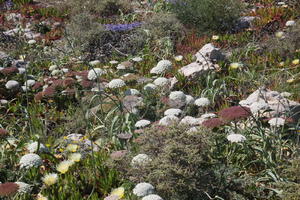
[{"x": 208, "y": 15}]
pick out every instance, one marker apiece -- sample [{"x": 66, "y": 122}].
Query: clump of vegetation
[{"x": 208, "y": 15}]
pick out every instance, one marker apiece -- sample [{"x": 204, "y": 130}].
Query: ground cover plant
[{"x": 149, "y": 100}]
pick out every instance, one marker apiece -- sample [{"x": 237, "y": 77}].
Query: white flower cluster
[
  {"x": 236, "y": 138},
  {"x": 177, "y": 96},
  {"x": 116, "y": 83},
  {"x": 152, "y": 197},
  {"x": 173, "y": 111},
  {"x": 140, "y": 160},
  {"x": 191, "y": 121},
  {"x": 130, "y": 92},
  {"x": 189, "y": 100},
  {"x": 30, "y": 160},
  {"x": 150, "y": 87},
  {"x": 161, "y": 82},
  {"x": 24, "y": 187},
  {"x": 168, "y": 120},
  {"x": 202, "y": 102},
  {"x": 12, "y": 84},
  {"x": 33, "y": 147},
  {"x": 95, "y": 73},
  {"x": 142, "y": 123},
  {"x": 143, "y": 189},
  {"x": 276, "y": 121},
  {"x": 162, "y": 67}
]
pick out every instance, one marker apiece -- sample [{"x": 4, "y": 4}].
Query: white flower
[
  {"x": 21, "y": 70},
  {"x": 116, "y": 83},
  {"x": 142, "y": 123},
  {"x": 192, "y": 121},
  {"x": 279, "y": 34},
  {"x": 177, "y": 96},
  {"x": 178, "y": 58},
  {"x": 32, "y": 147},
  {"x": 137, "y": 59},
  {"x": 64, "y": 166},
  {"x": 168, "y": 120},
  {"x": 189, "y": 100},
  {"x": 50, "y": 179},
  {"x": 130, "y": 92},
  {"x": 140, "y": 160},
  {"x": 95, "y": 73},
  {"x": 30, "y": 160},
  {"x": 31, "y": 42},
  {"x": 152, "y": 197},
  {"x": 235, "y": 65},
  {"x": 12, "y": 84},
  {"x": 143, "y": 189},
  {"x": 23, "y": 187},
  {"x": 29, "y": 83},
  {"x": 276, "y": 121},
  {"x": 94, "y": 62},
  {"x": 76, "y": 157},
  {"x": 150, "y": 87},
  {"x": 113, "y": 62},
  {"x": 56, "y": 72},
  {"x": 236, "y": 138},
  {"x": 161, "y": 67},
  {"x": 52, "y": 67},
  {"x": 161, "y": 82},
  {"x": 259, "y": 106},
  {"x": 202, "y": 102},
  {"x": 290, "y": 23},
  {"x": 192, "y": 129},
  {"x": 173, "y": 111},
  {"x": 65, "y": 70},
  {"x": 208, "y": 116}
]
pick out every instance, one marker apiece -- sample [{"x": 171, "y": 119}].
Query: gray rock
[{"x": 244, "y": 23}]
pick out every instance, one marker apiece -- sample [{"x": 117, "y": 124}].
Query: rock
[
  {"x": 205, "y": 61},
  {"x": 131, "y": 103},
  {"x": 277, "y": 103},
  {"x": 244, "y": 23},
  {"x": 12, "y": 84}
]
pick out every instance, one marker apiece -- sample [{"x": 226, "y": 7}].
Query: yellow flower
[
  {"x": 296, "y": 61},
  {"x": 215, "y": 37},
  {"x": 22, "y": 57},
  {"x": 50, "y": 179},
  {"x": 41, "y": 197},
  {"x": 72, "y": 147},
  {"x": 279, "y": 34},
  {"x": 235, "y": 65},
  {"x": 63, "y": 167},
  {"x": 75, "y": 157},
  {"x": 118, "y": 192},
  {"x": 291, "y": 80},
  {"x": 178, "y": 58}
]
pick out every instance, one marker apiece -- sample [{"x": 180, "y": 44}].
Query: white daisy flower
[
  {"x": 173, "y": 111},
  {"x": 202, "y": 102},
  {"x": 162, "y": 67},
  {"x": 143, "y": 189},
  {"x": 30, "y": 160},
  {"x": 50, "y": 179},
  {"x": 142, "y": 123},
  {"x": 116, "y": 83},
  {"x": 276, "y": 121},
  {"x": 236, "y": 138},
  {"x": 95, "y": 73}
]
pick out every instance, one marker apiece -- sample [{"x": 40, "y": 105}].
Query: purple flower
[
  {"x": 9, "y": 4},
  {"x": 122, "y": 27}
]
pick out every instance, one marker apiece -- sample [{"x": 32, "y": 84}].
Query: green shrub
[{"x": 208, "y": 15}]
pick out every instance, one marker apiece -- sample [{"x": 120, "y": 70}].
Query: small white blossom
[
  {"x": 94, "y": 62},
  {"x": 236, "y": 138},
  {"x": 56, "y": 72},
  {"x": 173, "y": 111},
  {"x": 52, "y": 67},
  {"x": 137, "y": 59},
  {"x": 116, "y": 83},
  {"x": 189, "y": 120},
  {"x": 161, "y": 82},
  {"x": 276, "y": 121},
  {"x": 32, "y": 147},
  {"x": 12, "y": 84},
  {"x": 168, "y": 120},
  {"x": 202, "y": 102},
  {"x": 150, "y": 87},
  {"x": 152, "y": 197},
  {"x": 178, "y": 58},
  {"x": 161, "y": 67},
  {"x": 29, "y": 83},
  {"x": 133, "y": 92},
  {"x": 189, "y": 100},
  {"x": 290, "y": 23},
  {"x": 177, "y": 96},
  {"x": 140, "y": 160},
  {"x": 113, "y": 62},
  {"x": 95, "y": 73},
  {"x": 143, "y": 189},
  {"x": 208, "y": 116},
  {"x": 31, "y": 42},
  {"x": 142, "y": 123},
  {"x": 21, "y": 70},
  {"x": 30, "y": 160},
  {"x": 24, "y": 187}
]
